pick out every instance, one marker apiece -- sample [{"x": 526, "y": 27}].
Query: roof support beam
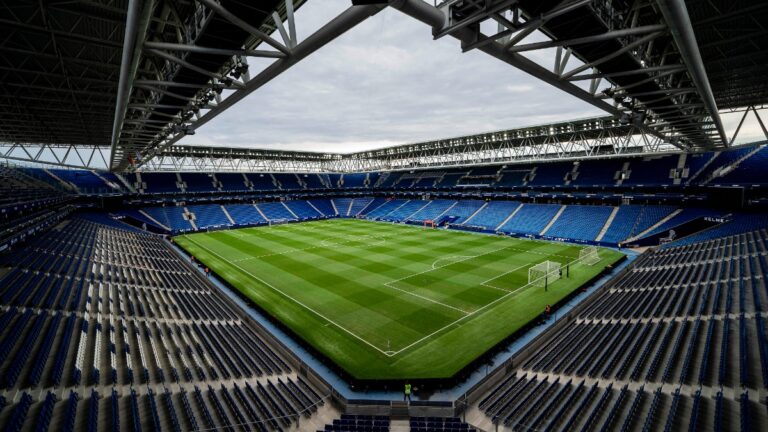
[
  {"x": 229, "y": 16},
  {"x": 433, "y": 17},
  {"x": 215, "y": 51},
  {"x": 589, "y": 39},
  {"x": 676, "y": 15},
  {"x": 136, "y": 25},
  {"x": 339, "y": 25}
]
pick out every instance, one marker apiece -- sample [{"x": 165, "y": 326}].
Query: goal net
[
  {"x": 544, "y": 273},
  {"x": 589, "y": 255},
  {"x": 273, "y": 222},
  {"x": 429, "y": 223}
]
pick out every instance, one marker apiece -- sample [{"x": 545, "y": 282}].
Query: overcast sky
[{"x": 387, "y": 82}]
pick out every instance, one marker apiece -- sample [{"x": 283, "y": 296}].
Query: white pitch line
[
  {"x": 394, "y": 353},
  {"x": 509, "y": 293},
  {"x": 425, "y": 298},
  {"x": 475, "y": 312},
  {"x": 485, "y": 283},
  {"x": 449, "y": 264},
  {"x": 295, "y": 300},
  {"x": 434, "y": 267},
  {"x": 321, "y": 246}
]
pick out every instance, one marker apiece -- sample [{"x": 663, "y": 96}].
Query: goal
[
  {"x": 429, "y": 223},
  {"x": 589, "y": 255},
  {"x": 544, "y": 273},
  {"x": 273, "y": 222}
]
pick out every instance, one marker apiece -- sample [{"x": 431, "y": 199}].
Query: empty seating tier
[
  {"x": 676, "y": 339},
  {"x": 122, "y": 328}
]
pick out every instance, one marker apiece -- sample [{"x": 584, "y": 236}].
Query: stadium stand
[
  {"x": 159, "y": 182},
  {"x": 107, "y": 321},
  {"x": 578, "y": 222},
  {"x": 358, "y": 205},
  {"x": 531, "y": 219},
  {"x": 95, "y": 303},
  {"x": 245, "y": 214},
  {"x": 362, "y": 423},
  {"x": 209, "y": 216},
  {"x": 324, "y": 206},
  {"x": 343, "y": 205},
  {"x": 303, "y": 210},
  {"x": 385, "y": 209},
  {"x": 276, "y": 211},
  {"x": 172, "y": 217},
  {"x": 232, "y": 182},
  {"x": 682, "y": 326},
  {"x": 433, "y": 211},
  {"x": 492, "y": 215}
]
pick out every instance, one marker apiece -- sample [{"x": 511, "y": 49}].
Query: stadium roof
[{"x": 135, "y": 76}]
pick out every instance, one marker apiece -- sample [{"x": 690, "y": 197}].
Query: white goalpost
[
  {"x": 544, "y": 273},
  {"x": 589, "y": 255},
  {"x": 273, "y": 222}
]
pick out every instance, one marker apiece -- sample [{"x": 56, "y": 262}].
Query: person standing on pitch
[{"x": 407, "y": 392}]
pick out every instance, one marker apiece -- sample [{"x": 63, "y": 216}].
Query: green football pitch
[{"x": 391, "y": 301}]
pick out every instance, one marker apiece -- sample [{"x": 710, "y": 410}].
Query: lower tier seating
[
  {"x": 675, "y": 342},
  {"x": 90, "y": 306}
]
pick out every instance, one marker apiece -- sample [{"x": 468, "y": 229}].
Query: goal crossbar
[
  {"x": 589, "y": 255},
  {"x": 544, "y": 273}
]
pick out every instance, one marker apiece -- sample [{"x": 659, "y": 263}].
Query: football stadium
[{"x": 403, "y": 215}]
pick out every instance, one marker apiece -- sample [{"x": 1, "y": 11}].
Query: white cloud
[{"x": 383, "y": 83}]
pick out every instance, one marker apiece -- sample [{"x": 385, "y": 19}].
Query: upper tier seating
[
  {"x": 515, "y": 177},
  {"x": 651, "y": 171},
  {"x": 261, "y": 182},
  {"x": 549, "y": 174},
  {"x": 198, "y": 182},
  {"x": 313, "y": 181},
  {"x": 597, "y": 172},
  {"x": 749, "y": 171},
  {"x": 723, "y": 160},
  {"x": 353, "y": 180},
  {"x": 86, "y": 181},
  {"x": 232, "y": 182},
  {"x": 288, "y": 181},
  {"x": 737, "y": 166},
  {"x": 160, "y": 182}
]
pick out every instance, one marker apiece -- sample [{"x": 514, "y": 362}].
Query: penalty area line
[
  {"x": 509, "y": 293},
  {"x": 267, "y": 284}
]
